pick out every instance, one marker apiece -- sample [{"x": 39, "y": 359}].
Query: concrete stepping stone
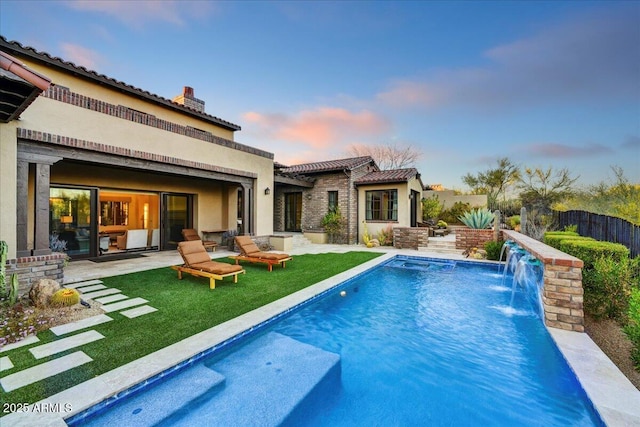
[
  {"x": 101, "y": 293},
  {"x": 111, "y": 298},
  {"x": 5, "y": 363},
  {"x": 46, "y": 350},
  {"x": 138, "y": 311},
  {"x": 28, "y": 340},
  {"x": 123, "y": 304},
  {"x": 44, "y": 370},
  {"x": 80, "y": 324},
  {"x": 81, "y": 284},
  {"x": 85, "y": 290}
]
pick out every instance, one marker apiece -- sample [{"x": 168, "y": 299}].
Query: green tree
[
  {"x": 431, "y": 207},
  {"x": 540, "y": 189},
  {"x": 494, "y": 182}
]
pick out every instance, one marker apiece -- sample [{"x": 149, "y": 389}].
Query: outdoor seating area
[
  {"x": 250, "y": 252},
  {"x": 198, "y": 263},
  {"x": 191, "y": 234}
]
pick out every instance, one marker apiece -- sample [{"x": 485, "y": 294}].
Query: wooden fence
[{"x": 603, "y": 227}]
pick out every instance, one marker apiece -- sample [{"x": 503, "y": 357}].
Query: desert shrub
[
  {"x": 554, "y": 238},
  {"x": 334, "y": 225},
  {"x": 493, "y": 249},
  {"x": 590, "y": 250},
  {"x": 632, "y": 328},
  {"x": 385, "y": 236},
  {"x": 451, "y": 215},
  {"x": 431, "y": 207},
  {"x": 514, "y": 222},
  {"x": 607, "y": 287}
]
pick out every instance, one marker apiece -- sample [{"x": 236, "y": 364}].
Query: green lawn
[{"x": 185, "y": 307}]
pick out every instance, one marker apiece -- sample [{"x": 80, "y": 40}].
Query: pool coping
[{"x": 612, "y": 394}]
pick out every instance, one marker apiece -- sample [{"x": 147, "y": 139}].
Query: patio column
[{"x": 42, "y": 168}]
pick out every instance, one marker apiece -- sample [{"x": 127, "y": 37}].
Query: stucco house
[
  {"x": 104, "y": 165},
  {"x": 364, "y": 194}
]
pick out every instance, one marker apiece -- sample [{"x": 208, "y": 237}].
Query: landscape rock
[{"x": 41, "y": 291}]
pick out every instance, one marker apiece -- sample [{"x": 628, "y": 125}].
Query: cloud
[
  {"x": 632, "y": 142},
  {"x": 82, "y": 56},
  {"x": 562, "y": 151},
  {"x": 321, "y": 128},
  {"x": 138, "y": 13},
  {"x": 588, "y": 59}
]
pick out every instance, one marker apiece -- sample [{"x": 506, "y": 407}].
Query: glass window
[
  {"x": 333, "y": 200},
  {"x": 382, "y": 205}
]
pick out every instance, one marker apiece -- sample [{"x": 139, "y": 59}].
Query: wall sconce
[
  {"x": 267, "y": 191},
  {"x": 308, "y": 196}
]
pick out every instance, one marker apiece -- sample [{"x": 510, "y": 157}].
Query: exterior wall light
[{"x": 267, "y": 191}]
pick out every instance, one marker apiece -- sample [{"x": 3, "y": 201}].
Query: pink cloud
[
  {"x": 553, "y": 150},
  {"x": 81, "y": 56},
  {"x": 320, "y": 128},
  {"x": 138, "y": 13}
]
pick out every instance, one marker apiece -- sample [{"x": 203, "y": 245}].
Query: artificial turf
[{"x": 185, "y": 307}]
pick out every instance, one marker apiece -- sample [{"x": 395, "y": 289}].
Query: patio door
[
  {"x": 293, "y": 212},
  {"x": 177, "y": 214},
  {"x": 415, "y": 199},
  {"x": 73, "y": 221}
]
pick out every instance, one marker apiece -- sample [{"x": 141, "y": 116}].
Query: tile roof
[
  {"x": 389, "y": 176},
  {"x": 329, "y": 165},
  {"x": 43, "y": 57}
]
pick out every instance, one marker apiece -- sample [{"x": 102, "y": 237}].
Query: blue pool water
[{"x": 419, "y": 342}]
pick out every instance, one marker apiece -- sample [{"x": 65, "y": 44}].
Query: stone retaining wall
[
  {"x": 411, "y": 238},
  {"x": 33, "y": 268},
  {"x": 562, "y": 294},
  {"x": 468, "y": 238}
]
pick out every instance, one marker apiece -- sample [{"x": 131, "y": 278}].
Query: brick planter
[
  {"x": 562, "y": 293},
  {"x": 410, "y": 238},
  {"x": 467, "y": 238},
  {"x": 33, "y": 268}
]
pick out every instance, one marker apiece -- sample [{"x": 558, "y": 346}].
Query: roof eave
[{"x": 82, "y": 72}]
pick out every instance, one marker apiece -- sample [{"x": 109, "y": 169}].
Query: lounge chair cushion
[
  {"x": 247, "y": 245},
  {"x": 193, "y": 252},
  {"x": 216, "y": 267}
]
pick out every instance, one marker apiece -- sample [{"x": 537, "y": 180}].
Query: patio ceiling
[{"x": 19, "y": 87}]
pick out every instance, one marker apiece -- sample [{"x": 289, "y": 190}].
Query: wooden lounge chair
[
  {"x": 198, "y": 263},
  {"x": 191, "y": 234},
  {"x": 249, "y": 251}
]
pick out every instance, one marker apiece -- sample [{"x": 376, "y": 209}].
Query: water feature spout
[{"x": 528, "y": 274}]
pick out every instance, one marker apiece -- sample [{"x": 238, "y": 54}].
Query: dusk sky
[{"x": 547, "y": 84}]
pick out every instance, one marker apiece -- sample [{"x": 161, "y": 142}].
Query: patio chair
[
  {"x": 191, "y": 234},
  {"x": 249, "y": 251},
  {"x": 198, "y": 263}
]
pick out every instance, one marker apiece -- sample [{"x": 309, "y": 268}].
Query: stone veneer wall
[
  {"x": 33, "y": 268},
  {"x": 467, "y": 238},
  {"x": 562, "y": 295},
  {"x": 411, "y": 238}
]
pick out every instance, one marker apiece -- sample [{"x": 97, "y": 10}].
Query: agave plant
[{"x": 477, "y": 218}]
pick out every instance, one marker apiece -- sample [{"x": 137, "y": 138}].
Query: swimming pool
[{"x": 412, "y": 342}]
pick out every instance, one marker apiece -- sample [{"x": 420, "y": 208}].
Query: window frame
[{"x": 388, "y": 197}]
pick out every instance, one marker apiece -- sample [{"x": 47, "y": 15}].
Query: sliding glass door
[
  {"x": 177, "y": 214},
  {"x": 71, "y": 226}
]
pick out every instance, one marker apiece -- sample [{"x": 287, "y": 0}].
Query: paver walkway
[{"x": 112, "y": 300}]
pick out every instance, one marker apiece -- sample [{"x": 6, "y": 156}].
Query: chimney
[{"x": 189, "y": 100}]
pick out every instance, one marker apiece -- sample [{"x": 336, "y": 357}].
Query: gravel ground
[{"x": 612, "y": 340}]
